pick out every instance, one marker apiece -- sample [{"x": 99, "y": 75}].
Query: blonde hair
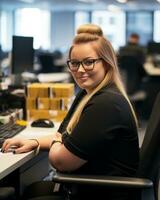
[{"x": 90, "y": 33}]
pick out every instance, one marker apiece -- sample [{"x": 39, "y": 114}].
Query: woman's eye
[
  {"x": 88, "y": 62},
  {"x": 74, "y": 63}
]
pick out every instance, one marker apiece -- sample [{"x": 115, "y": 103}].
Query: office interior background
[
  {"x": 47, "y": 20},
  {"x": 31, "y": 29},
  {"x": 52, "y": 24}
]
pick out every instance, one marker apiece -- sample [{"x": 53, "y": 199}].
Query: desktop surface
[
  {"x": 150, "y": 68},
  {"x": 156, "y": 60},
  {"x": 10, "y": 162}
]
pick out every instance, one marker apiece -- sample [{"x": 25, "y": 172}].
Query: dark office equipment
[
  {"x": 22, "y": 54},
  {"x": 3, "y": 54},
  {"x": 43, "y": 123},
  {"x": 9, "y": 130},
  {"x": 57, "y": 54},
  {"x": 153, "y": 48},
  {"x": 47, "y": 62},
  {"x": 146, "y": 181},
  {"x": 10, "y": 101}
]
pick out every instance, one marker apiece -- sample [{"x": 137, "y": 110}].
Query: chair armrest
[
  {"x": 7, "y": 192},
  {"x": 112, "y": 181}
]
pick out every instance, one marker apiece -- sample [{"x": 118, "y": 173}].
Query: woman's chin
[{"x": 84, "y": 86}]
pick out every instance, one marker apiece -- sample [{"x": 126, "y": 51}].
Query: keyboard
[{"x": 9, "y": 130}]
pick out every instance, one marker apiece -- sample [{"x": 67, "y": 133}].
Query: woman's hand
[{"x": 19, "y": 145}]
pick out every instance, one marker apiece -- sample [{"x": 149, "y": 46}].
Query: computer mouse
[{"x": 42, "y": 123}]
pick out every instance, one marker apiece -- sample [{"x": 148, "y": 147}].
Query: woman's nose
[{"x": 81, "y": 68}]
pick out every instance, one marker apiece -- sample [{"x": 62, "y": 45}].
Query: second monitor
[{"x": 22, "y": 54}]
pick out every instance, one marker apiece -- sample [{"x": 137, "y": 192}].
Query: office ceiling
[{"x": 79, "y": 4}]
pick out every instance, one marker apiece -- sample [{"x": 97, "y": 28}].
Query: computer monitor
[
  {"x": 153, "y": 48},
  {"x": 22, "y": 54}
]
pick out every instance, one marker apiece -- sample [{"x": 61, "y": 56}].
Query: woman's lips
[{"x": 82, "y": 77}]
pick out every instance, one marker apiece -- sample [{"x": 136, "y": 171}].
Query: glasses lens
[
  {"x": 88, "y": 64},
  {"x": 73, "y": 65}
]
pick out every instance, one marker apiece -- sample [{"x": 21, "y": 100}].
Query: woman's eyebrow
[{"x": 82, "y": 59}]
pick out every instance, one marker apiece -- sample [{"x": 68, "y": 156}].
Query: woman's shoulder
[
  {"x": 109, "y": 98},
  {"x": 109, "y": 92}
]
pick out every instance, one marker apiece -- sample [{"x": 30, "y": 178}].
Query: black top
[{"x": 105, "y": 136}]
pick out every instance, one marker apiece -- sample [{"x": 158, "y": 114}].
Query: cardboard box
[
  {"x": 56, "y": 115},
  {"x": 43, "y": 103},
  {"x": 60, "y": 103},
  {"x": 48, "y": 100},
  {"x": 31, "y": 103},
  {"x": 62, "y": 90},
  {"x": 36, "y": 90}
]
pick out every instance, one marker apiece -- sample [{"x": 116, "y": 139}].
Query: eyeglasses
[{"x": 87, "y": 64}]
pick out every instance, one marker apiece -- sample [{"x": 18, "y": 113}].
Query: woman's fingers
[
  {"x": 17, "y": 145},
  {"x": 9, "y": 143},
  {"x": 22, "y": 149}
]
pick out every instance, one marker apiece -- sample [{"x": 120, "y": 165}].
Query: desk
[
  {"x": 46, "y": 77},
  {"x": 53, "y": 77},
  {"x": 151, "y": 69},
  {"x": 10, "y": 162},
  {"x": 30, "y": 167}
]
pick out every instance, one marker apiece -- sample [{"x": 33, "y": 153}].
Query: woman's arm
[
  {"x": 62, "y": 159},
  {"x": 21, "y": 145}
]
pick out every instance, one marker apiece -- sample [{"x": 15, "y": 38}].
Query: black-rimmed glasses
[{"x": 88, "y": 64}]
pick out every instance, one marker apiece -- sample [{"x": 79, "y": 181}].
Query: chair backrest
[
  {"x": 133, "y": 70},
  {"x": 150, "y": 150}
]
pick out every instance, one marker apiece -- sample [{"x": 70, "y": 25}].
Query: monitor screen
[
  {"x": 153, "y": 48},
  {"x": 22, "y": 54}
]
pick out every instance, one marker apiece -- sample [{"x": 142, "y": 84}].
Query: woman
[{"x": 99, "y": 133}]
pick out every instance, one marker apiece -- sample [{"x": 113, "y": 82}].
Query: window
[
  {"x": 156, "y": 32},
  {"x": 141, "y": 23},
  {"x": 81, "y": 17},
  {"x": 6, "y": 24},
  {"x": 110, "y": 22},
  {"x": 36, "y": 23}
]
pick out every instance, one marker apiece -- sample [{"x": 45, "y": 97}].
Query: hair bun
[{"x": 91, "y": 29}]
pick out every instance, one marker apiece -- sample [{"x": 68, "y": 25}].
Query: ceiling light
[
  {"x": 113, "y": 8},
  {"x": 27, "y": 1},
  {"x": 122, "y": 1},
  {"x": 158, "y": 1},
  {"x": 88, "y": 1}
]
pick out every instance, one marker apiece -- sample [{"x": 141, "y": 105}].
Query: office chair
[
  {"x": 146, "y": 182},
  {"x": 133, "y": 75},
  {"x": 7, "y": 193}
]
